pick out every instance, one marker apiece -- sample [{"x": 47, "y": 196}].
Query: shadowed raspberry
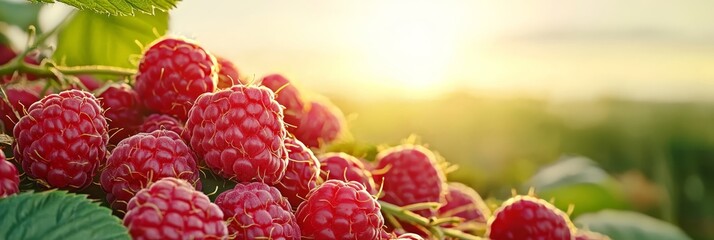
[
  {"x": 227, "y": 74},
  {"x": 287, "y": 95},
  {"x": 258, "y": 211},
  {"x": 9, "y": 178},
  {"x": 321, "y": 124},
  {"x": 89, "y": 82},
  {"x": 342, "y": 166},
  {"x": 62, "y": 140},
  {"x": 239, "y": 133},
  {"x": 173, "y": 72},
  {"x": 159, "y": 122},
  {"x": 463, "y": 202},
  {"x": 20, "y": 99},
  {"x": 302, "y": 173},
  {"x": 122, "y": 110},
  {"x": 145, "y": 158},
  {"x": 525, "y": 217},
  {"x": 171, "y": 209},
  {"x": 408, "y": 174},
  {"x": 340, "y": 210}
]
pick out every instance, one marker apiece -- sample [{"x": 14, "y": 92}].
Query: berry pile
[{"x": 151, "y": 142}]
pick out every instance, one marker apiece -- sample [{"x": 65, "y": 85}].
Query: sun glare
[{"x": 409, "y": 46}]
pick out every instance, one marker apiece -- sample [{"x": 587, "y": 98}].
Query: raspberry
[
  {"x": 320, "y": 125},
  {"x": 386, "y": 235},
  {"x": 227, "y": 74},
  {"x": 287, "y": 95},
  {"x": 463, "y": 202},
  {"x": 172, "y": 74},
  {"x": 7, "y": 54},
  {"x": 340, "y": 210},
  {"x": 171, "y": 209},
  {"x": 342, "y": 166},
  {"x": 62, "y": 140},
  {"x": 159, "y": 121},
  {"x": 525, "y": 217},
  {"x": 144, "y": 158},
  {"x": 239, "y": 133},
  {"x": 89, "y": 82},
  {"x": 9, "y": 178},
  {"x": 258, "y": 211},
  {"x": 301, "y": 174},
  {"x": 409, "y": 174},
  {"x": 20, "y": 99},
  {"x": 123, "y": 110}
]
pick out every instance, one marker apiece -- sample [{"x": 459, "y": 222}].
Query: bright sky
[{"x": 644, "y": 49}]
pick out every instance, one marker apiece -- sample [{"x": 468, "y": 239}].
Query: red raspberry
[
  {"x": 301, "y": 174},
  {"x": 258, "y": 211},
  {"x": 340, "y": 210},
  {"x": 63, "y": 139},
  {"x": 122, "y": 109},
  {"x": 321, "y": 125},
  {"x": 9, "y": 178},
  {"x": 144, "y": 158},
  {"x": 20, "y": 99},
  {"x": 463, "y": 202},
  {"x": 287, "y": 95},
  {"x": 171, "y": 209},
  {"x": 89, "y": 82},
  {"x": 159, "y": 121},
  {"x": 227, "y": 74},
  {"x": 409, "y": 174},
  {"x": 240, "y": 134},
  {"x": 342, "y": 166},
  {"x": 386, "y": 235},
  {"x": 525, "y": 217},
  {"x": 7, "y": 54},
  {"x": 172, "y": 74}
]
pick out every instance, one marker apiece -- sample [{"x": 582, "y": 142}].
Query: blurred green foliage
[{"x": 658, "y": 153}]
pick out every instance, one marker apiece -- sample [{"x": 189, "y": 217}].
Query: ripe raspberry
[
  {"x": 9, "y": 178},
  {"x": 301, "y": 174},
  {"x": 144, "y": 158},
  {"x": 525, "y": 217},
  {"x": 342, "y": 166},
  {"x": 386, "y": 235},
  {"x": 321, "y": 125},
  {"x": 463, "y": 202},
  {"x": 62, "y": 140},
  {"x": 227, "y": 74},
  {"x": 171, "y": 209},
  {"x": 409, "y": 236},
  {"x": 240, "y": 134},
  {"x": 409, "y": 174},
  {"x": 123, "y": 110},
  {"x": 159, "y": 121},
  {"x": 20, "y": 99},
  {"x": 89, "y": 82},
  {"x": 172, "y": 74},
  {"x": 7, "y": 54},
  {"x": 340, "y": 210},
  {"x": 287, "y": 95},
  {"x": 258, "y": 211}
]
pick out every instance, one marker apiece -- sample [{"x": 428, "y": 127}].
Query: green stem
[{"x": 414, "y": 218}]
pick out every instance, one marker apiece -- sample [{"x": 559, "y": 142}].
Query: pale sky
[{"x": 642, "y": 49}]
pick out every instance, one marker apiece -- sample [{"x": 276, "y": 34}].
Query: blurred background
[{"x": 597, "y": 104}]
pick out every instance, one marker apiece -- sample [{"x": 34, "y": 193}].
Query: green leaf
[
  {"x": 629, "y": 225},
  {"x": 580, "y": 182},
  {"x": 119, "y": 7},
  {"x": 57, "y": 215},
  {"x": 95, "y": 39},
  {"x": 19, "y": 14}
]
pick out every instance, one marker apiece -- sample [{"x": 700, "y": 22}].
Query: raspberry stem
[{"x": 408, "y": 216}]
